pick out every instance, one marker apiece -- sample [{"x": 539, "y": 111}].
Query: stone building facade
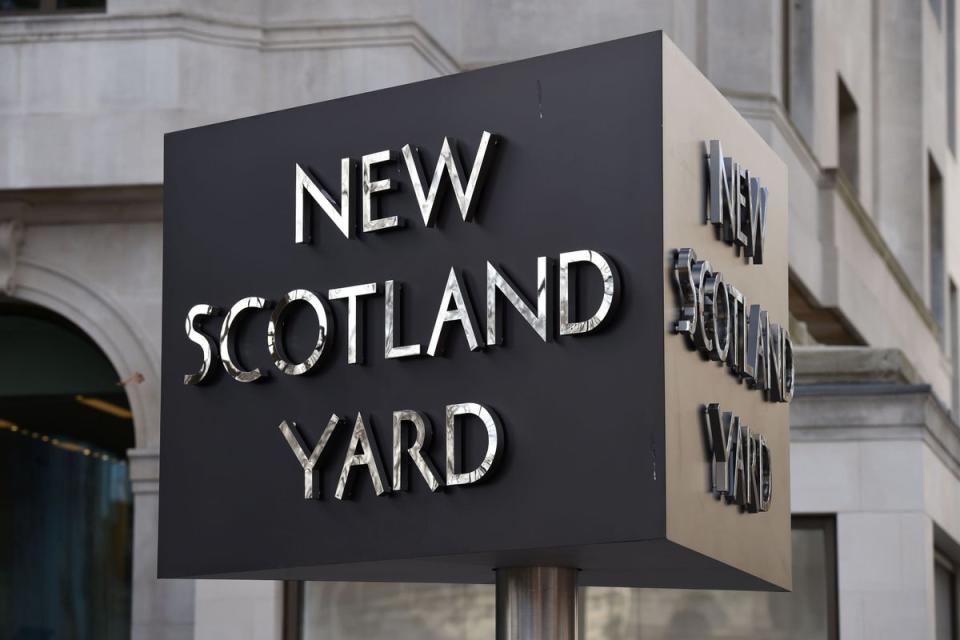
[{"x": 857, "y": 97}]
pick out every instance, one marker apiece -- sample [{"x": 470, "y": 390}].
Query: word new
[
  {"x": 448, "y": 162},
  {"x": 737, "y": 204},
  {"x": 741, "y": 470},
  {"x": 363, "y": 454}
]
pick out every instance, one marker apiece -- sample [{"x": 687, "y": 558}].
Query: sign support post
[{"x": 536, "y": 602}]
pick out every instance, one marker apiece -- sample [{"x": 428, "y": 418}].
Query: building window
[
  {"x": 368, "y": 611},
  {"x": 798, "y": 65},
  {"x": 936, "y": 265},
  {"x": 945, "y": 597},
  {"x": 32, "y": 7},
  {"x": 848, "y": 136}
]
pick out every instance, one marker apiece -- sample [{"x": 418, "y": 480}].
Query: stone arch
[{"x": 102, "y": 319}]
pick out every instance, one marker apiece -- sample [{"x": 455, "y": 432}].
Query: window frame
[
  {"x": 50, "y": 8},
  {"x": 293, "y": 591}
]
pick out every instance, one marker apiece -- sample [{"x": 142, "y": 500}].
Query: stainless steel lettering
[
  {"x": 424, "y": 433},
  {"x": 370, "y": 187},
  {"x": 326, "y": 202},
  {"x": 275, "y": 329},
  {"x": 233, "y": 367},
  {"x": 368, "y": 457},
  {"x": 205, "y": 342},
  {"x": 355, "y": 317},
  {"x": 608, "y": 273},
  {"x": 494, "y": 437},
  {"x": 449, "y": 160},
  {"x": 299, "y": 448},
  {"x": 392, "y": 321},
  {"x": 462, "y": 313},
  {"x": 497, "y": 281}
]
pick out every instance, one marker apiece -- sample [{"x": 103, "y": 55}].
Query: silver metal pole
[{"x": 536, "y": 603}]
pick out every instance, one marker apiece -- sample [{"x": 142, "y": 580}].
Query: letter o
[
  {"x": 702, "y": 272},
  {"x": 276, "y": 326},
  {"x": 717, "y": 315}
]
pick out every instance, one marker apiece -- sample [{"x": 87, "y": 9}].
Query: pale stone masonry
[{"x": 854, "y": 96}]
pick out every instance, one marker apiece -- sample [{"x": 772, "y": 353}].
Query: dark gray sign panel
[{"x": 437, "y": 329}]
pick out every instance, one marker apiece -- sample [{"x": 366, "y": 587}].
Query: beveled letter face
[
  {"x": 232, "y": 366},
  {"x": 275, "y": 327}
]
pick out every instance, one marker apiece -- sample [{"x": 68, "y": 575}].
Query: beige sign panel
[{"x": 699, "y": 518}]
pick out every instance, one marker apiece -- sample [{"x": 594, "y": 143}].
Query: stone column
[{"x": 161, "y": 609}]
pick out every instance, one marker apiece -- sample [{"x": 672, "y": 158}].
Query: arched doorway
[{"x": 65, "y": 502}]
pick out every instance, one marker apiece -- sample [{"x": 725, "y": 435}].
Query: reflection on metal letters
[
  {"x": 275, "y": 327},
  {"x": 758, "y": 353},
  {"x": 608, "y": 273},
  {"x": 737, "y": 203},
  {"x": 494, "y": 437},
  {"x": 740, "y": 470},
  {"x": 449, "y": 160},
  {"x": 717, "y": 320},
  {"x": 765, "y": 494},
  {"x": 683, "y": 278},
  {"x": 716, "y": 313},
  {"x": 497, "y": 281},
  {"x": 424, "y": 433},
  {"x": 701, "y": 337},
  {"x": 720, "y": 433},
  {"x": 368, "y": 457},
  {"x": 737, "y": 353},
  {"x": 309, "y": 464},
  {"x": 369, "y": 187},
  {"x": 354, "y": 317},
  {"x": 781, "y": 363},
  {"x": 462, "y": 313},
  {"x": 326, "y": 202},
  {"x": 392, "y": 324},
  {"x": 232, "y": 367},
  {"x": 205, "y": 342}
]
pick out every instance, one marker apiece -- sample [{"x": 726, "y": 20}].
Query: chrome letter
[
  {"x": 424, "y": 434},
  {"x": 610, "y": 290},
  {"x": 494, "y": 437},
  {"x": 354, "y": 317},
  {"x": 205, "y": 342}
]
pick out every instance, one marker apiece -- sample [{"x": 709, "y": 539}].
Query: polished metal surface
[
  {"x": 326, "y": 202},
  {"x": 536, "y": 603},
  {"x": 608, "y": 273},
  {"x": 275, "y": 329},
  {"x": 683, "y": 262},
  {"x": 496, "y": 281},
  {"x": 450, "y": 160},
  {"x": 494, "y": 442},
  {"x": 721, "y": 429},
  {"x": 737, "y": 203},
  {"x": 736, "y": 353},
  {"x": 370, "y": 187},
  {"x": 355, "y": 317},
  {"x": 233, "y": 367},
  {"x": 716, "y": 315},
  {"x": 369, "y": 457},
  {"x": 462, "y": 313},
  {"x": 309, "y": 463},
  {"x": 391, "y": 324},
  {"x": 205, "y": 342},
  {"x": 758, "y": 348},
  {"x": 424, "y": 433}
]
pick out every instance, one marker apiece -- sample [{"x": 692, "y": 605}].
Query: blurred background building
[{"x": 859, "y": 99}]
